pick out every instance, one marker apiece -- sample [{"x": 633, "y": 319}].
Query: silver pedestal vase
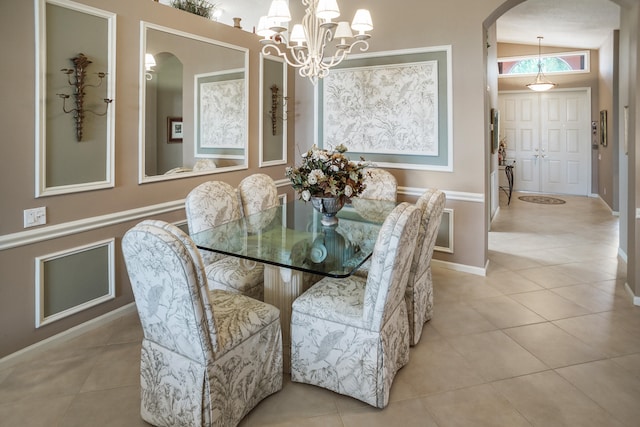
[{"x": 328, "y": 207}]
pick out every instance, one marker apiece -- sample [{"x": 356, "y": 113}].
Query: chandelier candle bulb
[{"x": 306, "y": 44}]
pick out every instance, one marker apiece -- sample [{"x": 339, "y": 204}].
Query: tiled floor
[{"x": 548, "y": 338}]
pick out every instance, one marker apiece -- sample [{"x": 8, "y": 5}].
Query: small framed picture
[{"x": 174, "y": 129}]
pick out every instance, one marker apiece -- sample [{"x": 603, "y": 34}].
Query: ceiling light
[{"x": 541, "y": 83}]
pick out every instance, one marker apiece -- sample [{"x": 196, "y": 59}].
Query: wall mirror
[
  {"x": 273, "y": 111},
  {"x": 194, "y": 115},
  {"x": 75, "y": 89}
]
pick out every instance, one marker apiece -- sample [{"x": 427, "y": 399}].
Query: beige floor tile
[
  {"x": 494, "y": 355},
  {"x": 547, "y": 400},
  {"x": 453, "y": 319},
  {"x": 610, "y": 386},
  {"x": 591, "y": 297},
  {"x": 44, "y": 412},
  {"x": 513, "y": 262},
  {"x": 295, "y": 400},
  {"x": 601, "y": 333},
  {"x": 117, "y": 366},
  {"x": 627, "y": 318},
  {"x": 332, "y": 420},
  {"x": 435, "y": 367},
  {"x": 466, "y": 288},
  {"x": 106, "y": 408},
  {"x": 630, "y": 362},
  {"x": 554, "y": 346},
  {"x": 615, "y": 287},
  {"x": 473, "y": 406},
  {"x": 408, "y": 413},
  {"x": 548, "y": 277},
  {"x": 511, "y": 282},
  {"x": 60, "y": 377},
  {"x": 504, "y": 312},
  {"x": 587, "y": 271},
  {"x": 549, "y": 305}
]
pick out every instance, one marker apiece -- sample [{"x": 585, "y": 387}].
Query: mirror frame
[
  {"x": 142, "y": 179},
  {"x": 263, "y": 114},
  {"x": 41, "y": 186}
]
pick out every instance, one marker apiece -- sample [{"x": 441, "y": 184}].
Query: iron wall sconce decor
[
  {"x": 275, "y": 103},
  {"x": 77, "y": 80}
]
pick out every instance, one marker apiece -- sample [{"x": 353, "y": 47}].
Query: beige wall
[
  {"x": 17, "y": 182},
  {"x": 411, "y": 24},
  {"x": 607, "y": 100}
]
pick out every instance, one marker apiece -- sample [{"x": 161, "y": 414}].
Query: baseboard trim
[
  {"x": 478, "y": 271},
  {"x": 71, "y": 333},
  {"x": 635, "y": 299}
]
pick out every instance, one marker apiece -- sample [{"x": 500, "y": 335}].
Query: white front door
[{"x": 548, "y": 136}]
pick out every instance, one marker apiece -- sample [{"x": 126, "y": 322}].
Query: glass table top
[{"x": 291, "y": 235}]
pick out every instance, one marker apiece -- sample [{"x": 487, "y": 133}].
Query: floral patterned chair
[
  {"x": 380, "y": 185},
  {"x": 258, "y": 192},
  {"x": 352, "y": 335},
  {"x": 210, "y": 204},
  {"x": 208, "y": 357},
  {"x": 419, "y": 294}
]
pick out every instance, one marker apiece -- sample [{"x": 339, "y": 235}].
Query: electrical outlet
[{"x": 35, "y": 216}]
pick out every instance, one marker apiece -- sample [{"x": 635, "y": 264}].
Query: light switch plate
[{"x": 35, "y": 216}]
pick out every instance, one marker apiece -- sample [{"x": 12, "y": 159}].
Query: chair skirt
[{"x": 349, "y": 359}]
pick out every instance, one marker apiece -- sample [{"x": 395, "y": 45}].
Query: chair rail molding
[{"x": 21, "y": 238}]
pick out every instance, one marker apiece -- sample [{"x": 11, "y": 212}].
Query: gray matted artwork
[
  {"x": 222, "y": 114},
  {"x": 383, "y": 109}
]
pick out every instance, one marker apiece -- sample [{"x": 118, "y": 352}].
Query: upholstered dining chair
[
  {"x": 258, "y": 192},
  {"x": 208, "y": 356},
  {"x": 419, "y": 293},
  {"x": 352, "y": 335},
  {"x": 380, "y": 184},
  {"x": 213, "y": 203}
]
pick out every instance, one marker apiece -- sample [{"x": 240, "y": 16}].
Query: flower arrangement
[
  {"x": 502, "y": 151},
  {"x": 327, "y": 173}
]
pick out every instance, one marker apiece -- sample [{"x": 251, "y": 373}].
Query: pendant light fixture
[{"x": 541, "y": 83}]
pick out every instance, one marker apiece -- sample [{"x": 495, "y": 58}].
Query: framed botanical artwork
[
  {"x": 174, "y": 130},
  {"x": 394, "y": 108}
]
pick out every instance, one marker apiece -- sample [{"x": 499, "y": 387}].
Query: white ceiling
[{"x": 584, "y": 24}]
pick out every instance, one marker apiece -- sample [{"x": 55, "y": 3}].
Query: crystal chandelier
[
  {"x": 307, "y": 44},
  {"x": 541, "y": 83}
]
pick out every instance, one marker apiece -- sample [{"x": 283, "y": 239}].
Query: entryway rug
[{"x": 543, "y": 200}]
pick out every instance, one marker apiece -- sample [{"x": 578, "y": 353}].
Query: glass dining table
[{"x": 297, "y": 250}]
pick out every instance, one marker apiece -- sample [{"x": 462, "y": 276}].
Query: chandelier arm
[
  {"x": 341, "y": 54},
  {"x": 309, "y": 56}
]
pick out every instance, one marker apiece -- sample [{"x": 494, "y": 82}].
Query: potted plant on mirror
[
  {"x": 197, "y": 7},
  {"x": 328, "y": 179}
]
